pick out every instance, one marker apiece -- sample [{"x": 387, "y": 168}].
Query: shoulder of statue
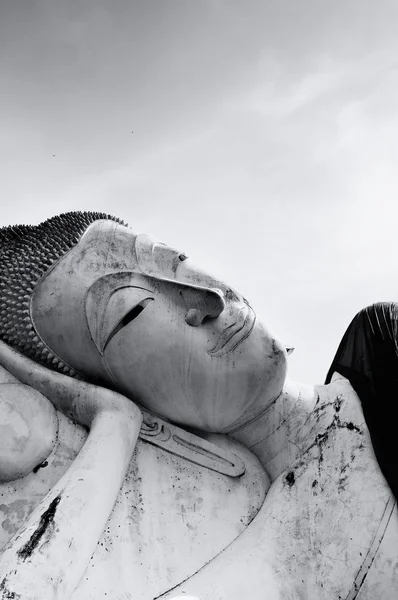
[{"x": 28, "y": 427}]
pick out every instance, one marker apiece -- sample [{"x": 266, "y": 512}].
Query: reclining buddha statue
[{"x": 151, "y": 446}]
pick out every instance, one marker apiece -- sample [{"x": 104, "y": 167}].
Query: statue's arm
[{"x": 49, "y": 554}]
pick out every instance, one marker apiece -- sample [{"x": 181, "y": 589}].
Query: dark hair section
[{"x": 27, "y": 252}]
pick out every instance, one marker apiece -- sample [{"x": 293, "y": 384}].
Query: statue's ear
[{"x": 28, "y": 427}]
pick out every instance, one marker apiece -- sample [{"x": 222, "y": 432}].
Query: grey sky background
[{"x": 264, "y": 144}]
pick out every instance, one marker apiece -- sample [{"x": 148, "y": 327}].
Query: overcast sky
[{"x": 260, "y": 137}]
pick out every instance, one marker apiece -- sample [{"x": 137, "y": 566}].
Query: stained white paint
[
  {"x": 327, "y": 518},
  {"x": 306, "y": 542},
  {"x": 169, "y": 519}
]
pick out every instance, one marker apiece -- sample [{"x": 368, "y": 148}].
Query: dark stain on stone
[
  {"x": 357, "y": 448},
  {"x": 41, "y": 466},
  {"x": 357, "y": 588},
  {"x": 314, "y": 486},
  {"x": 230, "y": 295},
  {"x": 337, "y": 404},
  {"x": 342, "y": 481},
  {"x": 46, "y": 520},
  {"x": 7, "y": 594},
  {"x": 290, "y": 479},
  {"x": 322, "y": 438},
  {"x": 344, "y": 468},
  {"x": 317, "y": 402},
  {"x": 352, "y": 427}
]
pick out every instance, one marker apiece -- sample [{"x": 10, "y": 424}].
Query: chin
[
  {"x": 193, "y": 389},
  {"x": 263, "y": 375}
]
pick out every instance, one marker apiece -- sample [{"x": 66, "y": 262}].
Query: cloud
[{"x": 264, "y": 142}]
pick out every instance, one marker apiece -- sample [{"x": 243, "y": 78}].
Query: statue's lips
[{"x": 234, "y": 335}]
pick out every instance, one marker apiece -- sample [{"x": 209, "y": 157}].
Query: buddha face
[{"x": 138, "y": 316}]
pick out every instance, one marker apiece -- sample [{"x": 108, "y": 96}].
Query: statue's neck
[{"x": 291, "y": 424}]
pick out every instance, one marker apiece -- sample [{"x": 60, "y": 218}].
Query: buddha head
[{"x": 84, "y": 295}]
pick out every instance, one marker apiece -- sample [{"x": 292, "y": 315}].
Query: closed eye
[{"x": 130, "y": 316}]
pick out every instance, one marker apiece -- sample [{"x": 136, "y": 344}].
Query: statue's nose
[{"x": 202, "y": 303}]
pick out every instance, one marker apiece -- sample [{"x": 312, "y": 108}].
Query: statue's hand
[{"x": 80, "y": 401}]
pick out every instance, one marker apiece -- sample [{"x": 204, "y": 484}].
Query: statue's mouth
[{"x": 234, "y": 335}]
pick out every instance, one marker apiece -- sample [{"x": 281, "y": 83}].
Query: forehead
[{"x": 107, "y": 246}]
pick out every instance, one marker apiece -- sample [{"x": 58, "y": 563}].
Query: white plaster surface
[
  {"x": 311, "y": 539},
  {"x": 328, "y": 528},
  {"x": 171, "y": 517}
]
